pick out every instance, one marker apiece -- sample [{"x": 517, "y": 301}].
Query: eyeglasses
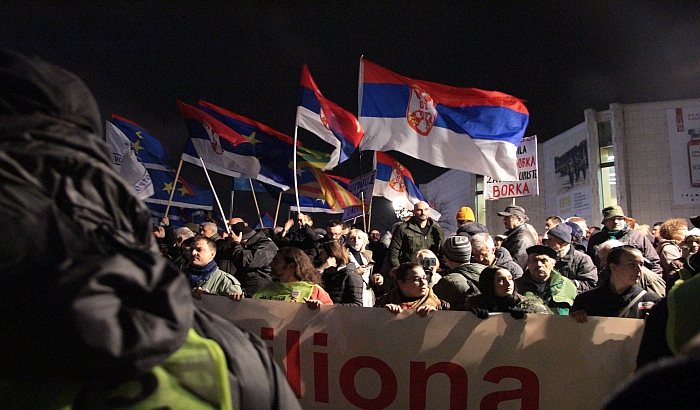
[{"x": 419, "y": 279}]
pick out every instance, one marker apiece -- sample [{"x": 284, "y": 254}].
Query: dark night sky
[{"x": 138, "y": 59}]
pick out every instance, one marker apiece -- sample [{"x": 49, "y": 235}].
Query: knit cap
[
  {"x": 465, "y": 213},
  {"x": 458, "y": 249}
]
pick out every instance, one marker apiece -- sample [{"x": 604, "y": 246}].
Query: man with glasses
[{"x": 615, "y": 227}]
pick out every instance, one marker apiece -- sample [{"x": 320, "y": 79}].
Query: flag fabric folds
[
  {"x": 328, "y": 120},
  {"x": 395, "y": 183},
  {"x": 314, "y": 183},
  {"x": 274, "y": 150},
  {"x": 125, "y": 161},
  {"x": 222, "y": 149},
  {"x": 186, "y": 195},
  {"x": 151, "y": 152},
  {"x": 307, "y": 204},
  {"x": 462, "y": 128},
  {"x": 147, "y": 147}
]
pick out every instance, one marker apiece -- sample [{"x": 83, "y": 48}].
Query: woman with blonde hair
[
  {"x": 427, "y": 259},
  {"x": 356, "y": 241}
]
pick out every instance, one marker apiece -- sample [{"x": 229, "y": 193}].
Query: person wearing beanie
[
  {"x": 462, "y": 278},
  {"x": 247, "y": 254},
  {"x": 542, "y": 280},
  {"x": 466, "y": 223},
  {"x": 571, "y": 262},
  {"x": 615, "y": 227}
]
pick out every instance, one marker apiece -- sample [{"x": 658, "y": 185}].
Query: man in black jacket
[
  {"x": 105, "y": 317},
  {"x": 518, "y": 237}
]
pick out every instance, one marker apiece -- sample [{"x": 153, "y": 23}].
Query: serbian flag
[
  {"x": 395, "y": 183},
  {"x": 273, "y": 149},
  {"x": 328, "y": 120},
  {"x": 222, "y": 149},
  {"x": 461, "y": 128}
]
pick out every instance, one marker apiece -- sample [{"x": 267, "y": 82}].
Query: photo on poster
[
  {"x": 684, "y": 146},
  {"x": 571, "y": 167}
]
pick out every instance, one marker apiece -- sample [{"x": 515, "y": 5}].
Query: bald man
[{"x": 419, "y": 232}]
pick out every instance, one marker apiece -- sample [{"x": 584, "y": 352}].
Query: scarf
[
  {"x": 200, "y": 274},
  {"x": 397, "y": 297}
]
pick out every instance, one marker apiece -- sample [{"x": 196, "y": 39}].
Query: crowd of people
[{"x": 111, "y": 317}]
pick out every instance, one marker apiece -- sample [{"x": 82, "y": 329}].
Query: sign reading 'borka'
[{"x": 527, "y": 183}]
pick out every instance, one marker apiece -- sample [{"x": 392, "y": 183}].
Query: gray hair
[
  {"x": 184, "y": 232},
  {"x": 607, "y": 245},
  {"x": 482, "y": 240}
]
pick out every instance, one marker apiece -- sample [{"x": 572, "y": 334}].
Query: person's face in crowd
[
  {"x": 415, "y": 285},
  {"x": 511, "y": 222},
  {"x": 374, "y": 236},
  {"x": 484, "y": 256},
  {"x": 693, "y": 246},
  {"x": 555, "y": 243},
  {"x": 540, "y": 267},
  {"x": 200, "y": 253},
  {"x": 629, "y": 269},
  {"x": 656, "y": 231},
  {"x": 603, "y": 256},
  {"x": 355, "y": 242},
  {"x": 615, "y": 223},
  {"x": 503, "y": 284},
  {"x": 280, "y": 269},
  {"x": 549, "y": 224},
  {"x": 301, "y": 220},
  {"x": 421, "y": 211},
  {"x": 335, "y": 232},
  {"x": 207, "y": 230}
]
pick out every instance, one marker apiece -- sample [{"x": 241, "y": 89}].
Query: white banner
[
  {"x": 342, "y": 357},
  {"x": 527, "y": 183}
]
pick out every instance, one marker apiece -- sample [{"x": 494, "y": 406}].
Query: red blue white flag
[
  {"x": 461, "y": 128},
  {"x": 328, "y": 120},
  {"x": 222, "y": 149},
  {"x": 395, "y": 183}
]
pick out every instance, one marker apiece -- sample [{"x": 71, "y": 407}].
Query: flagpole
[
  {"x": 296, "y": 186},
  {"x": 172, "y": 192},
  {"x": 221, "y": 211},
  {"x": 230, "y": 208},
  {"x": 255, "y": 198},
  {"x": 277, "y": 211}
]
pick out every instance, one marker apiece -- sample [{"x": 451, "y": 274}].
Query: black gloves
[
  {"x": 517, "y": 313},
  {"x": 480, "y": 313}
]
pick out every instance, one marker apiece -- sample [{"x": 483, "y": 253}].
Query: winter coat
[
  {"x": 109, "y": 307},
  {"x": 250, "y": 262},
  {"x": 344, "y": 285},
  {"x": 578, "y": 267},
  {"x": 461, "y": 282},
  {"x": 628, "y": 237},
  {"x": 408, "y": 239},
  {"x": 559, "y": 293},
  {"x": 602, "y": 301},
  {"x": 517, "y": 241}
]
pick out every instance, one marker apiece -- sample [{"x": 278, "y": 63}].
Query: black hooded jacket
[{"x": 86, "y": 298}]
